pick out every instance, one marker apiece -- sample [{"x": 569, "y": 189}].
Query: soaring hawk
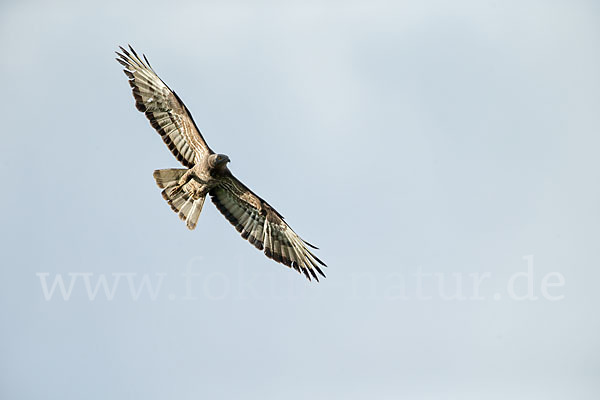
[{"x": 206, "y": 173}]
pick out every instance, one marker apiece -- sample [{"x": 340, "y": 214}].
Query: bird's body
[{"x": 206, "y": 174}]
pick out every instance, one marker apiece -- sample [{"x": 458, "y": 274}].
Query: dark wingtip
[
  {"x": 319, "y": 271},
  {"x": 310, "y": 245},
  {"x": 125, "y": 52},
  {"x": 123, "y": 63},
  {"x": 306, "y": 273},
  {"x": 147, "y": 62},
  {"x": 318, "y": 260},
  {"x": 136, "y": 55}
]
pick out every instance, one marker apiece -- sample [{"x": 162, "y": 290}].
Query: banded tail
[{"x": 181, "y": 201}]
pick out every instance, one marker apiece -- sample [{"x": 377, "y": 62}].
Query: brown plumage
[{"x": 207, "y": 174}]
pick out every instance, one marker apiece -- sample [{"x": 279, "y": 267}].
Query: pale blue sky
[{"x": 440, "y": 137}]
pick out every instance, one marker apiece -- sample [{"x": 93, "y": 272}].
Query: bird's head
[{"x": 218, "y": 160}]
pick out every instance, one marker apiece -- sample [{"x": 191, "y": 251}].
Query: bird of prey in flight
[{"x": 206, "y": 173}]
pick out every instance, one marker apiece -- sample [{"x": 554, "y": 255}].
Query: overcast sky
[{"x": 442, "y": 155}]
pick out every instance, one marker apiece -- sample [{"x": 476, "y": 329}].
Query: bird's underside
[{"x": 206, "y": 174}]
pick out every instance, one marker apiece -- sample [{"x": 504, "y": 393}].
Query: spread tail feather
[{"x": 181, "y": 201}]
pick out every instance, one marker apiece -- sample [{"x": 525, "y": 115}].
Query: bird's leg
[
  {"x": 195, "y": 188},
  {"x": 193, "y": 184},
  {"x": 189, "y": 174}
]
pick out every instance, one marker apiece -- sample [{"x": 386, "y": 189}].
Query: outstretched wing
[
  {"x": 264, "y": 227},
  {"x": 164, "y": 109}
]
